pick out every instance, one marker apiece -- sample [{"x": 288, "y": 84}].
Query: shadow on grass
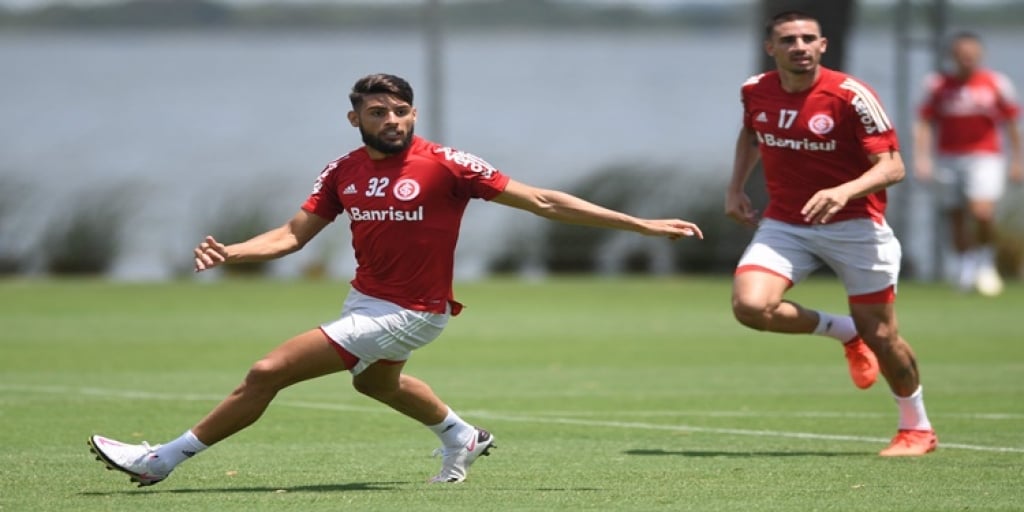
[
  {"x": 355, "y": 486},
  {"x": 715, "y": 453}
]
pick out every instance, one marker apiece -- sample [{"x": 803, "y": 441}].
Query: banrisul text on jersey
[{"x": 390, "y": 214}]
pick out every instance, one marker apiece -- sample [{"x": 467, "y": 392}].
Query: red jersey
[
  {"x": 816, "y": 139},
  {"x": 405, "y": 212},
  {"x": 967, "y": 113}
]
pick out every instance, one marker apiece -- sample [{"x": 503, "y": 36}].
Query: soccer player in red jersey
[
  {"x": 967, "y": 107},
  {"x": 405, "y": 197},
  {"x": 829, "y": 152}
]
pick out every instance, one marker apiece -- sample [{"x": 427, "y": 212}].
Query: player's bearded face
[
  {"x": 385, "y": 123},
  {"x": 797, "y": 46},
  {"x": 389, "y": 142}
]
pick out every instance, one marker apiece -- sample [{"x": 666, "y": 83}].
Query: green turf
[{"x": 604, "y": 394}]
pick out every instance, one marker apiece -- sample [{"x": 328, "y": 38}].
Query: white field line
[{"x": 552, "y": 419}]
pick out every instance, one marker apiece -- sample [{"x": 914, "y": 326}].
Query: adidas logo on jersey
[
  {"x": 761, "y": 118},
  {"x": 350, "y": 189}
]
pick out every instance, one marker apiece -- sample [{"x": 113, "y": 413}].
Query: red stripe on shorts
[
  {"x": 346, "y": 356},
  {"x": 886, "y": 296},
  {"x": 350, "y": 359}
]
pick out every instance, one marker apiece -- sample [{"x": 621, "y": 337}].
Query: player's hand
[
  {"x": 923, "y": 169},
  {"x": 209, "y": 254},
  {"x": 673, "y": 229},
  {"x": 824, "y": 205},
  {"x": 739, "y": 208}
]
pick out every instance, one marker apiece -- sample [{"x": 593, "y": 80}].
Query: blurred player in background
[
  {"x": 405, "y": 197},
  {"x": 967, "y": 107},
  {"x": 829, "y": 152}
]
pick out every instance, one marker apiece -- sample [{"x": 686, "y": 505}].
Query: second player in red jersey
[
  {"x": 829, "y": 152},
  {"x": 969, "y": 108},
  {"x": 816, "y": 139}
]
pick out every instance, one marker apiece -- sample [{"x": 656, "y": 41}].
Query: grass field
[{"x": 603, "y": 394}]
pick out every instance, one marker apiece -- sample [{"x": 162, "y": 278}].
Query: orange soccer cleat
[
  {"x": 911, "y": 443},
  {"x": 862, "y": 363}
]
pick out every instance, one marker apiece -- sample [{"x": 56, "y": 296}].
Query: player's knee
[
  {"x": 265, "y": 374},
  {"x": 751, "y": 313},
  {"x": 983, "y": 212},
  {"x": 880, "y": 337}
]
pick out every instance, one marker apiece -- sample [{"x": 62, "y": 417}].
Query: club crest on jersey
[
  {"x": 406, "y": 189},
  {"x": 820, "y": 124}
]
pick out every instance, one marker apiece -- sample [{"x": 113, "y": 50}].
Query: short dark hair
[
  {"x": 783, "y": 17},
  {"x": 964, "y": 35},
  {"x": 380, "y": 83}
]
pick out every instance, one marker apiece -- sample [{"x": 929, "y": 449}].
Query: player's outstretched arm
[
  {"x": 563, "y": 207},
  {"x": 275, "y": 243}
]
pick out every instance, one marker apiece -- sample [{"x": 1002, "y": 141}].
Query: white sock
[
  {"x": 182, "y": 448},
  {"x": 969, "y": 262},
  {"x": 835, "y": 326},
  {"x": 986, "y": 256},
  {"x": 912, "y": 415},
  {"x": 453, "y": 432}
]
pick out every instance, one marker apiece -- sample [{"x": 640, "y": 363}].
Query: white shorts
[
  {"x": 975, "y": 177},
  {"x": 374, "y": 330},
  {"x": 864, "y": 254}
]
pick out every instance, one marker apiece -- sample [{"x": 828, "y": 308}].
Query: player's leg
[
  {"x": 461, "y": 442},
  {"x": 987, "y": 280},
  {"x": 962, "y": 239},
  {"x": 985, "y": 186},
  {"x": 983, "y": 214},
  {"x": 384, "y": 381},
  {"x": 866, "y": 256},
  {"x": 377, "y": 337},
  {"x": 960, "y": 233},
  {"x": 758, "y": 303},
  {"x": 950, "y": 193},
  {"x": 777, "y": 257},
  {"x": 303, "y": 357},
  {"x": 877, "y": 324}
]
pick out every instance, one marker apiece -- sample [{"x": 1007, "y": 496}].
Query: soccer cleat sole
[
  {"x": 485, "y": 453},
  {"x": 132, "y": 477}
]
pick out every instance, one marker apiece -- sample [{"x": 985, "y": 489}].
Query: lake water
[{"x": 202, "y": 119}]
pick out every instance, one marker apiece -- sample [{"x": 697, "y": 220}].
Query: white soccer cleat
[
  {"x": 989, "y": 283},
  {"x": 456, "y": 462},
  {"x": 138, "y": 461}
]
